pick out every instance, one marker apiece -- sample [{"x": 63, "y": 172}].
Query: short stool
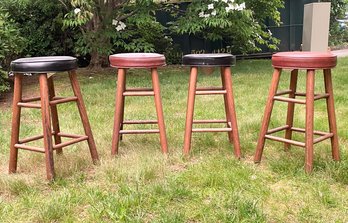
[
  {"x": 309, "y": 61},
  {"x": 224, "y": 61},
  {"x": 41, "y": 66},
  {"x": 124, "y": 61}
]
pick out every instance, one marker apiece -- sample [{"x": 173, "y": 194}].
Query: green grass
[{"x": 142, "y": 185}]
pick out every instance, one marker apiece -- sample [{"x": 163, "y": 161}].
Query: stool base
[{"x": 49, "y": 113}]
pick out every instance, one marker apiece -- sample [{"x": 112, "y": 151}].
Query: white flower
[
  {"x": 213, "y": 13},
  {"x": 225, "y": 1},
  {"x": 211, "y": 6},
  {"x": 201, "y": 14},
  {"x": 77, "y": 10},
  {"x": 241, "y": 6},
  {"x": 270, "y": 33},
  {"x": 120, "y": 26},
  {"x": 114, "y": 22}
]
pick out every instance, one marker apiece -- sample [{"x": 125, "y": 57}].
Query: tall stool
[
  {"x": 294, "y": 61},
  {"x": 151, "y": 61},
  {"x": 40, "y": 66},
  {"x": 224, "y": 61}
]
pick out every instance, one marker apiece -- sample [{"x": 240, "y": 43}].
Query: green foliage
[
  {"x": 107, "y": 27},
  {"x": 241, "y": 25},
  {"x": 11, "y": 44},
  {"x": 338, "y": 36}
]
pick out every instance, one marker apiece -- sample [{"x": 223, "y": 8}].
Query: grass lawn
[{"x": 142, "y": 185}]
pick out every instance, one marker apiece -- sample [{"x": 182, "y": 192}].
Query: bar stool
[
  {"x": 41, "y": 66},
  {"x": 224, "y": 61},
  {"x": 123, "y": 61},
  {"x": 294, "y": 61}
]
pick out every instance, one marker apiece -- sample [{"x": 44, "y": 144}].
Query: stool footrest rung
[
  {"x": 73, "y": 141},
  {"x": 212, "y": 130},
  {"x": 139, "y": 131},
  {"x": 30, "y": 148},
  {"x": 31, "y": 99},
  {"x": 323, "y": 135},
  {"x": 32, "y": 138},
  {"x": 278, "y": 129},
  {"x": 140, "y": 122},
  {"x": 280, "y": 139},
  {"x": 210, "y": 92},
  {"x": 59, "y": 100},
  {"x": 138, "y": 93},
  {"x": 209, "y": 121},
  {"x": 294, "y": 100},
  {"x": 28, "y": 105},
  {"x": 283, "y": 92}
]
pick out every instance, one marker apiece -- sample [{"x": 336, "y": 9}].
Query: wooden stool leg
[
  {"x": 122, "y": 106},
  {"x": 121, "y": 77},
  {"x": 331, "y": 114},
  {"x": 16, "y": 115},
  {"x": 190, "y": 110},
  {"x": 309, "y": 120},
  {"x": 54, "y": 113},
  {"x": 159, "y": 110},
  {"x": 46, "y": 126},
  {"x": 291, "y": 107},
  {"x": 227, "y": 112},
  {"x": 231, "y": 110},
  {"x": 83, "y": 114},
  {"x": 267, "y": 114}
]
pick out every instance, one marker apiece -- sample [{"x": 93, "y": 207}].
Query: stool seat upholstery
[
  {"x": 212, "y": 59},
  {"x": 304, "y": 60},
  {"x": 44, "y": 64},
  {"x": 137, "y": 60}
]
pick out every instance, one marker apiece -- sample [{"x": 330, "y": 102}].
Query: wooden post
[
  {"x": 331, "y": 114},
  {"x": 231, "y": 109},
  {"x": 16, "y": 116},
  {"x": 190, "y": 110},
  {"x": 291, "y": 107},
  {"x": 54, "y": 113},
  {"x": 309, "y": 120},
  {"x": 46, "y": 126},
  {"x": 227, "y": 112},
  {"x": 121, "y": 77},
  {"x": 83, "y": 114},
  {"x": 159, "y": 110},
  {"x": 267, "y": 114}
]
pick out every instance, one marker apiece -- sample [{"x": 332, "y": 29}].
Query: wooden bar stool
[
  {"x": 224, "y": 61},
  {"x": 41, "y": 66},
  {"x": 151, "y": 61},
  {"x": 294, "y": 61}
]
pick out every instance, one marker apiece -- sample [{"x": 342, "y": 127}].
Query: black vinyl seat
[
  {"x": 44, "y": 64},
  {"x": 212, "y": 59}
]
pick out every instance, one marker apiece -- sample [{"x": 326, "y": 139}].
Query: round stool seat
[
  {"x": 137, "y": 60},
  {"x": 304, "y": 60},
  {"x": 212, "y": 59},
  {"x": 49, "y": 64}
]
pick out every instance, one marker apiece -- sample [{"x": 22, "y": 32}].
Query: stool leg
[
  {"x": 16, "y": 116},
  {"x": 46, "y": 125},
  {"x": 159, "y": 110},
  {"x": 122, "y": 106},
  {"x": 227, "y": 112},
  {"x": 54, "y": 113},
  {"x": 190, "y": 109},
  {"x": 267, "y": 114},
  {"x": 121, "y": 77},
  {"x": 83, "y": 114},
  {"x": 309, "y": 120},
  {"x": 291, "y": 107},
  {"x": 226, "y": 72},
  {"x": 331, "y": 114}
]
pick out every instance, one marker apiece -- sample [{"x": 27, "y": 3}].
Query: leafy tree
[
  {"x": 111, "y": 26},
  {"x": 242, "y": 25},
  {"x": 11, "y": 44}
]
